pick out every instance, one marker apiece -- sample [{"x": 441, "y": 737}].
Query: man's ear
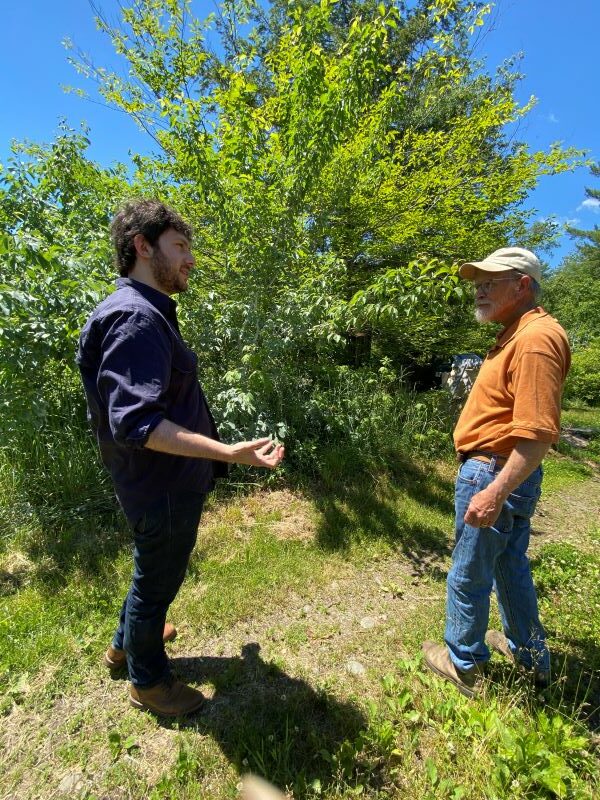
[
  {"x": 142, "y": 248},
  {"x": 526, "y": 285}
]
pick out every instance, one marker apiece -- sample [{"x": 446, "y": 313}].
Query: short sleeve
[{"x": 537, "y": 386}]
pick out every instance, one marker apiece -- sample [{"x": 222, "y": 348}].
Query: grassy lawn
[
  {"x": 578, "y": 417},
  {"x": 301, "y": 619},
  {"x": 582, "y": 419}
]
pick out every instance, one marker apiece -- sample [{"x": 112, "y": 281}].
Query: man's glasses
[{"x": 487, "y": 286}]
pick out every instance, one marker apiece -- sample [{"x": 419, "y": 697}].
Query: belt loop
[{"x": 492, "y": 465}]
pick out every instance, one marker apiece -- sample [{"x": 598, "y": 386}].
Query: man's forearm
[
  {"x": 526, "y": 456},
  {"x": 168, "y": 437}
]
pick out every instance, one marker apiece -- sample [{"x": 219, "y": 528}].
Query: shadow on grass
[
  {"x": 11, "y": 582},
  {"x": 63, "y": 541},
  {"x": 267, "y": 722},
  {"x": 78, "y": 527},
  {"x": 355, "y": 500}
]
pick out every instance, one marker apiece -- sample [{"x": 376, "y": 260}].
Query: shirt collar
[
  {"x": 165, "y": 304},
  {"x": 507, "y": 334}
]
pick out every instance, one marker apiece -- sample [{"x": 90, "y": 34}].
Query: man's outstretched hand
[
  {"x": 258, "y": 453},
  {"x": 168, "y": 437}
]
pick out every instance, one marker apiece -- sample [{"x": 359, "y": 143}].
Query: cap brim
[{"x": 468, "y": 270}]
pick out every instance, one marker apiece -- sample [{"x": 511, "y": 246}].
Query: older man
[{"x": 510, "y": 420}]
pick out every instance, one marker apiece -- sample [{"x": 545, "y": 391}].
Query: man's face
[
  {"x": 172, "y": 262},
  {"x": 497, "y": 296}
]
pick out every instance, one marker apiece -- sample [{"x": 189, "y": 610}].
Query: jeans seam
[
  {"x": 170, "y": 531},
  {"x": 511, "y": 618}
]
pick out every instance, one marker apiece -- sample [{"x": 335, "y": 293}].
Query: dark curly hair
[{"x": 151, "y": 218}]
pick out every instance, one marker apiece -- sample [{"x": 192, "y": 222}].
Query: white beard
[{"x": 483, "y": 315}]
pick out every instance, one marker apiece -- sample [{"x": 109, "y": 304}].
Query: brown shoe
[
  {"x": 117, "y": 659},
  {"x": 497, "y": 641},
  {"x": 170, "y": 698},
  {"x": 438, "y": 660}
]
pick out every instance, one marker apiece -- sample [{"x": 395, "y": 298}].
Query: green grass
[
  {"x": 261, "y": 573},
  {"x": 284, "y": 591},
  {"x": 568, "y": 584},
  {"x": 587, "y": 419},
  {"x": 581, "y": 417},
  {"x": 560, "y": 473}
]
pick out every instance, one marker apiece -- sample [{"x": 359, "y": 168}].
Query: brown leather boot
[
  {"x": 497, "y": 641},
  {"x": 170, "y": 698},
  {"x": 116, "y": 659},
  {"x": 438, "y": 660}
]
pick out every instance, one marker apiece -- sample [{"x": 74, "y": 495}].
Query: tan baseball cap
[{"x": 504, "y": 259}]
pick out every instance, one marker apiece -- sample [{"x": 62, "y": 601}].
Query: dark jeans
[{"x": 164, "y": 538}]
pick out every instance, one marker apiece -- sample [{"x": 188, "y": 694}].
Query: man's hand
[
  {"x": 484, "y": 508},
  {"x": 258, "y": 453}
]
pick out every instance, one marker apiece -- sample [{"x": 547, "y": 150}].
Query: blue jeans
[
  {"x": 164, "y": 538},
  {"x": 495, "y": 557}
]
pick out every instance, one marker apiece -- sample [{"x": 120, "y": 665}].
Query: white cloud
[
  {"x": 559, "y": 219},
  {"x": 553, "y": 118},
  {"x": 590, "y": 204}
]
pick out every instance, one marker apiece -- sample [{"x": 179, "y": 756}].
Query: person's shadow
[{"x": 269, "y": 723}]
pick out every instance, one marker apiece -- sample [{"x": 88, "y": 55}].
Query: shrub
[{"x": 583, "y": 381}]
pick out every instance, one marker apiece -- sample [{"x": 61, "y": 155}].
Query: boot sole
[
  {"x": 143, "y": 707},
  {"x": 112, "y": 667}
]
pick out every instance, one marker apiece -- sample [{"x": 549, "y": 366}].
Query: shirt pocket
[{"x": 184, "y": 369}]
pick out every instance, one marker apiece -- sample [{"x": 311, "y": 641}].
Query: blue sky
[{"x": 557, "y": 40}]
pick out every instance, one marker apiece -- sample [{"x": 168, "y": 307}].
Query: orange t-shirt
[{"x": 518, "y": 389}]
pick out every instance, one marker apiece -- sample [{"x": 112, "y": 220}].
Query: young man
[
  {"x": 510, "y": 419},
  {"x": 156, "y": 436}
]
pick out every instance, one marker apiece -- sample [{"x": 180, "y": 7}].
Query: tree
[
  {"x": 337, "y": 159},
  {"x": 572, "y": 293},
  {"x": 55, "y": 206},
  {"x": 588, "y": 242}
]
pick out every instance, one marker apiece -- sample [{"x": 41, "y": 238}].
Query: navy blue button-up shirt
[{"x": 137, "y": 371}]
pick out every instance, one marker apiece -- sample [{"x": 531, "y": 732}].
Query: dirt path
[
  {"x": 360, "y": 615},
  {"x": 568, "y": 515}
]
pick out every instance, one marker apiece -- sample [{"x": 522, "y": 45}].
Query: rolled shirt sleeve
[{"x": 134, "y": 375}]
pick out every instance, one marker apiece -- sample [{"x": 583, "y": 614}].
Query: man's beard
[
  {"x": 484, "y": 315},
  {"x": 165, "y": 275}
]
